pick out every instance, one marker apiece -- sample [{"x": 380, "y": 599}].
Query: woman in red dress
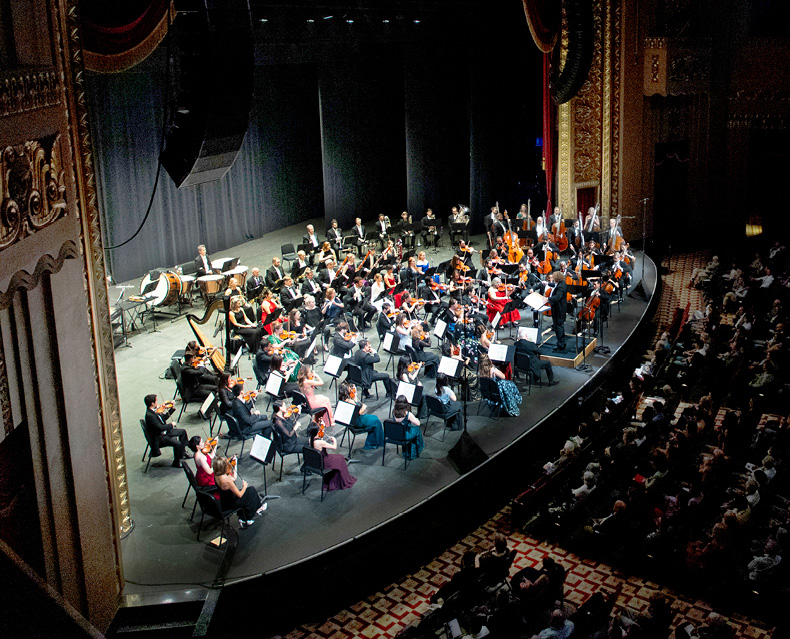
[{"x": 496, "y": 304}]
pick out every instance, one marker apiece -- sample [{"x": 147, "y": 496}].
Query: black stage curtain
[
  {"x": 275, "y": 181},
  {"x": 362, "y": 122},
  {"x": 437, "y": 127}
]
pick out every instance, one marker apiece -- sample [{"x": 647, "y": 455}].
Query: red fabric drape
[
  {"x": 548, "y": 131},
  {"x": 543, "y": 18},
  {"x": 109, "y": 30}
]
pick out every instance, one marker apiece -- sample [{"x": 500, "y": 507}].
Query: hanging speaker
[{"x": 212, "y": 63}]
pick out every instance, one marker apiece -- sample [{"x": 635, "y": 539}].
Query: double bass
[
  {"x": 514, "y": 250},
  {"x": 559, "y": 237},
  {"x": 587, "y": 312}
]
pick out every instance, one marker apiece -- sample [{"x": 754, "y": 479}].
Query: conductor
[{"x": 558, "y": 302}]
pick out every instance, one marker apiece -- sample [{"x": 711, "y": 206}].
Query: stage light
[
  {"x": 310, "y": 20},
  {"x": 416, "y": 22},
  {"x": 386, "y": 21},
  {"x": 264, "y": 19},
  {"x": 328, "y": 17},
  {"x": 350, "y": 21}
]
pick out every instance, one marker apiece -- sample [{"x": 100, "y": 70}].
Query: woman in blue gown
[
  {"x": 369, "y": 422},
  {"x": 403, "y": 414}
]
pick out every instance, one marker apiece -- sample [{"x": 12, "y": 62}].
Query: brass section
[
  {"x": 31, "y": 188},
  {"x": 96, "y": 286},
  {"x": 26, "y": 91}
]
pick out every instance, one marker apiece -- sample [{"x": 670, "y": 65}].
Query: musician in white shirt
[{"x": 202, "y": 262}]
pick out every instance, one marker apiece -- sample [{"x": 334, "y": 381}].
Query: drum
[
  {"x": 211, "y": 284},
  {"x": 218, "y": 263},
  {"x": 240, "y": 273},
  {"x": 187, "y": 282},
  {"x": 168, "y": 288}
]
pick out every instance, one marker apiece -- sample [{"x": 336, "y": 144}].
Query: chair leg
[
  {"x": 200, "y": 525},
  {"x": 282, "y": 458},
  {"x": 480, "y": 405},
  {"x": 148, "y": 464},
  {"x": 383, "y": 452},
  {"x": 241, "y": 454},
  {"x": 147, "y": 446},
  {"x": 189, "y": 487},
  {"x": 227, "y": 446}
]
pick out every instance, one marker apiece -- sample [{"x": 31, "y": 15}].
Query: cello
[
  {"x": 544, "y": 268},
  {"x": 514, "y": 250},
  {"x": 559, "y": 238},
  {"x": 587, "y": 312}
]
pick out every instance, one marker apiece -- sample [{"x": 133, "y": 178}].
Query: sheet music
[
  {"x": 332, "y": 366},
  {"x": 235, "y": 361},
  {"x": 532, "y": 335},
  {"x": 495, "y": 321},
  {"x": 310, "y": 350},
  {"x": 407, "y": 390},
  {"x": 536, "y": 301},
  {"x": 274, "y": 384},
  {"x": 344, "y": 412},
  {"x": 440, "y": 328},
  {"x": 260, "y": 449},
  {"x": 497, "y": 352},
  {"x": 387, "y": 345},
  {"x": 206, "y": 405},
  {"x": 449, "y": 366}
]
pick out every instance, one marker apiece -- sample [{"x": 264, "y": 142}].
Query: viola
[
  {"x": 209, "y": 445},
  {"x": 163, "y": 408},
  {"x": 249, "y": 395},
  {"x": 414, "y": 366},
  {"x": 456, "y": 351},
  {"x": 232, "y": 463},
  {"x": 352, "y": 392},
  {"x": 349, "y": 336},
  {"x": 321, "y": 428}
]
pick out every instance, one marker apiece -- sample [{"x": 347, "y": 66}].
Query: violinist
[
  {"x": 308, "y": 381},
  {"x": 464, "y": 251},
  {"x": 403, "y": 331},
  {"x": 203, "y": 453},
  {"x": 243, "y": 326},
  {"x": 408, "y": 304},
  {"x": 285, "y": 427},
  {"x": 323, "y": 443},
  {"x": 287, "y": 370},
  {"x": 384, "y": 322},
  {"x": 225, "y": 391},
  {"x": 408, "y": 371},
  {"x": 621, "y": 271},
  {"x": 301, "y": 342},
  {"x": 390, "y": 278},
  {"x": 420, "y": 341},
  {"x": 196, "y": 381},
  {"x": 498, "y": 297},
  {"x": 282, "y": 344},
  {"x": 335, "y": 238},
  {"x": 484, "y": 336},
  {"x": 431, "y": 293},
  {"x": 160, "y": 433},
  {"x": 365, "y": 358},
  {"x": 357, "y": 299},
  {"x": 343, "y": 341},
  {"x": 250, "y": 421},
  {"x": 194, "y": 348},
  {"x": 604, "y": 289},
  {"x": 530, "y": 350},
  {"x": 263, "y": 358},
  {"x": 245, "y": 500},
  {"x": 372, "y": 424},
  {"x": 309, "y": 285},
  {"x": 527, "y": 278}
]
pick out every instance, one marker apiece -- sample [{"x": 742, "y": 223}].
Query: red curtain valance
[{"x": 544, "y": 19}]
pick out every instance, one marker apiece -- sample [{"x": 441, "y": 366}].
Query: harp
[{"x": 216, "y": 357}]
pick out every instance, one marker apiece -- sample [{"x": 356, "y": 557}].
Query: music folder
[
  {"x": 262, "y": 450},
  {"x": 346, "y": 413},
  {"x": 206, "y": 406},
  {"x": 274, "y": 384},
  {"x": 387, "y": 343},
  {"x": 449, "y": 366},
  {"x": 440, "y": 329},
  {"x": 501, "y": 352},
  {"x": 411, "y": 392},
  {"x": 536, "y": 301},
  {"x": 332, "y": 365}
]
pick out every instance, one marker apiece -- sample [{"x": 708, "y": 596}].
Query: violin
[
  {"x": 233, "y": 381},
  {"x": 249, "y": 395},
  {"x": 352, "y": 392},
  {"x": 292, "y": 410},
  {"x": 438, "y": 287},
  {"x": 506, "y": 288},
  {"x": 490, "y": 335},
  {"x": 321, "y": 428},
  {"x": 209, "y": 445},
  {"x": 232, "y": 463},
  {"x": 463, "y": 268},
  {"x": 456, "y": 351},
  {"x": 288, "y": 335},
  {"x": 414, "y": 366},
  {"x": 349, "y": 336},
  {"x": 166, "y": 406}
]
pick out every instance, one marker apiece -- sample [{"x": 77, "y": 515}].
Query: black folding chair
[
  {"x": 437, "y": 409},
  {"x": 314, "y": 465},
  {"x": 210, "y": 506},
  {"x": 489, "y": 392},
  {"x": 234, "y": 434},
  {"x": 193, "y": 486},
  {"x": 395, "y": 433}
]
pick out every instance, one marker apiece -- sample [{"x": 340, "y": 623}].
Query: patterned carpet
[{"x": 385, "y": 613}]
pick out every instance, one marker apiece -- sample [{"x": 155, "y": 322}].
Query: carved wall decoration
[
  {"x": 26, "y": 91},
  {"x": 46, "y": 264},
  {"x": 676, "y": 66},
  {"x": 587, "y": 111},
  {"x": 98, "y": 307},
  {"x": 31, "y": 188},
  {"x": 613, "y": 134},
  {"x": 763, "y": 109}
]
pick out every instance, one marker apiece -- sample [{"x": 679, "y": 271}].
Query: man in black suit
[
  {"x": 263, "y": 358},
  {"x": 202, "y": 262},
  {"x": 342, "y": 347},
  {"x": 197, "y": 381},
  {"x": 365, "y": 358},
  {"x": 254, "y": 284},
  {"x": 289, "y": 295},
  {"x": 274, "y": 274},
  {"x": 384, "y": 323},
  {"x": 358, "y": 300},
  {"x": 328, "y": 275},
  {"x": 529, "y": 350},
  {"x": 430, "y": 228},
  {"x": 161, "y": 434},
  {"x": 311, "y": 241},
  {"x": 250, "y": 422},
  {"x": 559, "y": 308},
  {"x": 335, "y": 236},
  {"x": 358, "y": 233},
  {"x": 309, "y": 285}
]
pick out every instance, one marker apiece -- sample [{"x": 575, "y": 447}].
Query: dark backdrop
[{"x": 445, "y": 113}]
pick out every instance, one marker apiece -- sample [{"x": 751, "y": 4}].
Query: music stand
[
  {"x": 234, "y": 364},
  {"x": 274, "y": 387},
  {"x": 510, "y": 307},
  {"x": 273, "y": 316},
  {"x": 230, "y": 264},
  {"x": 292, "y": 303},
  {"x": 263, "y": 451},
  {"x": 450, "y": 366},
  {"x": 333, "y": 367},
  {"x": 346, "y": 414},
  {"x": 411, "y": 392},
  {"x": 440, "y": 329},
  {"x": 144, "y": 293},
  {"x": 501, "y": 353}
]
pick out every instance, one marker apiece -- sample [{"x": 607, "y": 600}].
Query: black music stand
[
  {"x": 263, "y": 452},
  {"x": 334, "y": 367},
  {"x": 511, "y": 306},
  {"x": 144, "y": 293},
  {"x": 459, "y": 228}
]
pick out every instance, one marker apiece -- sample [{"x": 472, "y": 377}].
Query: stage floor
[{"x": 162, "y": 554}]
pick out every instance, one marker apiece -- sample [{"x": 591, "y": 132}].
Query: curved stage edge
[{"x": 350, "y": 571}]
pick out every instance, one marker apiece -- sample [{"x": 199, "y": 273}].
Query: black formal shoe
[
  {"x": 552, "y": 383},
  {"x": 367, "y": 395},
  {"x": 176, "y": 463}
]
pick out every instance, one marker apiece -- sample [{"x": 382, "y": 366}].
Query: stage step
[{"x": 162, "y": 618}]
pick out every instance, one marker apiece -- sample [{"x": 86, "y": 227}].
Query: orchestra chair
[
  {"x": 391, "y": 386},
  {"x": 278, "y": 447},
  {"x": 210, "y": 506},
  {"x": 259, "y": 376},
  {"x": 496, "y": 572},
  {"x": 301, "y": 400},
  {"x": 395, "y": 433},
  {"x": 287, "y": 253},
  {"x": 349, "y": 242},
  {"x": 355, "y": 377},
  {"x": 192, "y": 485},
  {"x": 234, "y": 434},
  {"x": 175, "y": 371},
  {"x": 489, "y": 392},
  {"x": 523, "y": 364},
  {"x": 187, "y": 398},
  {"x": 314, "y": 465},
  {"x": 437, "y": 409},
  {"x": 352, "y": 430},
  {"x": 149, "y": 449}
]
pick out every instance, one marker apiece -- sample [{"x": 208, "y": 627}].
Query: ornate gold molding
[
  {"x": 46, "y": 264},
  {"x": 93, "y": 256},
  {"x": 606, "y": 110},
  {"x": 26, "y": 91},
  {"x": 587, "y": 112},
  {"x": 614, "y": 133},
  {"x": 31, "y": 187}
]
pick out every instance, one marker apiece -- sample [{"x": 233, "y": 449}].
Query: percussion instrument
[
  {"x": 187, "y": 282},
  {"x": 211, "y": 284},
  {"x": 240, "y": 273},
  {"x": 218, "y": 263},
  {"x": 168, "y": 288}
]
